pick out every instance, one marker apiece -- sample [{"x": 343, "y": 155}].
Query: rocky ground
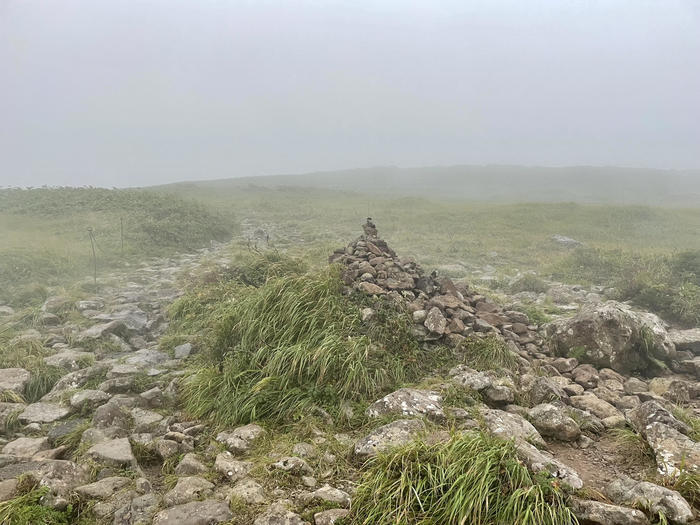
[{"x": 110, "y": 436}]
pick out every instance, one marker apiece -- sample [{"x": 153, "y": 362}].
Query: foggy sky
[{"x": 127, "y": 92}]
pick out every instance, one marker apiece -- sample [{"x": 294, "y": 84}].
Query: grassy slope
[
  {"x": 603, "y": 185},
  {"x": 44, "y": 238},
  {"x": 447, "y": 232}
]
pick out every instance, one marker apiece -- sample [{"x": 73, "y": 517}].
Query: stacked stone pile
[{"x": 442, "y": 310}]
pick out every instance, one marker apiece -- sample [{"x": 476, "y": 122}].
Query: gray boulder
[
  {"x": 686, "y": 339},
  {"x": 552, "y": 421},
  {"x": 613, "y": 335},
  {"x": 628, "y": 491},
  {"x": 507, "y": 425}
]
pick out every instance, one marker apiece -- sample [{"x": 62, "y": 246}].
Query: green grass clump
[
  {"x": 489, "y": 353},
  {"x": 26, "y": 509},
  {"x": 687, "y": 483},
  {"x": 473, "y": 479},
  {"x": 686, "y": 416},
  {"x": 294, "y": 343},
  {"x": 633, "y": 446}
]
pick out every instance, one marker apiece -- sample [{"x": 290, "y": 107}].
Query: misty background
[{"x": 138, "y": 93}]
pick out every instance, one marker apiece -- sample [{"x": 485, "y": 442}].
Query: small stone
[
  {"x": 330, "y": 517},
  {"x": 190, "y": 465},
  {"x": 188, "y": 489},
  {"x": 182, "y": 351},
  {"x": 293, "y": 465},
  {"x": 249, "y": 491},
  {"x": 328, "y": 494},
  {"x": 387, "y": 436},
  {"x": 231, "y": 468}
]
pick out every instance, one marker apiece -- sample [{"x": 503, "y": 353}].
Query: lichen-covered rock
[
  {"x": 249, "y": 491},
  {"x": 435, "y": 322},
  {"x": 330, "y": 495},
  {"x": 613, "y": 335},
  {"x": 330, "y": 517},
  {"x": 409, "y": 402},
  {"x": 241, "y": 439},
  {"x": 651, "y": 412},
  {"x": 674, "y": 451},
  {"x": 628, "y": 491},
  {"x": 394, "y": 434},
  {"x": 293, "y": 465}
]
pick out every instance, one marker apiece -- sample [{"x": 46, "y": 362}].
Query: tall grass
[
  {"x": 294, "y": 343},
  {"x": 472, "y": 479}
]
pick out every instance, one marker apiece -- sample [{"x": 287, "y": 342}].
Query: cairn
[{"x": 441, "y": 309}]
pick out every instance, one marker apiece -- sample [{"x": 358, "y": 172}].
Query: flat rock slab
[
  {"x": 26, "y": 447},
  {"x": 114, "y": 452},
  {"x": 43, "y": 413},
  {"x": 70, "y": 359},
  {"x": 205, "y": 512},
  {"x": 104, "y": 488}
]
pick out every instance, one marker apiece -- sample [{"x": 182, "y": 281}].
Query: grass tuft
[
  {"x": 473, "y": 479},
  {"x": 489, "y": 353}
]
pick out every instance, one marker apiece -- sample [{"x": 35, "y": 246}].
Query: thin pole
[
  {"x": 94, "y": 256},
  {"x": 121, "y": 227}
]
